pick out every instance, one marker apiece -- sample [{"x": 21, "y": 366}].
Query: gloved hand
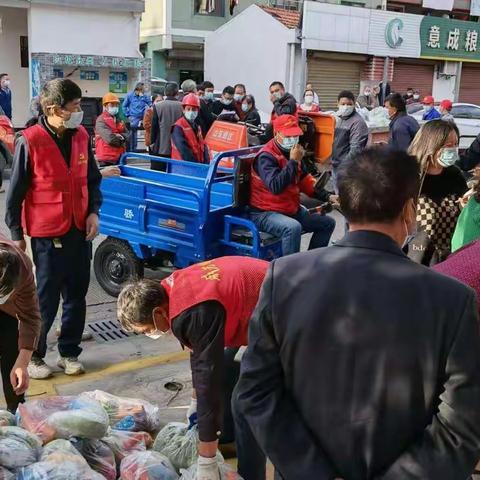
[
  {"x": 192, "y": 413},
  {"x": 207, "y": 469}
]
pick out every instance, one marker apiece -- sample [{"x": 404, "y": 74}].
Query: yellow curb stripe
[{"x": 40, "y": 388}]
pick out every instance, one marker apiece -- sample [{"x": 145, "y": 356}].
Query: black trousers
[
  {"x": 62, "y": 269},
  {"x": 8, "y": 357}
]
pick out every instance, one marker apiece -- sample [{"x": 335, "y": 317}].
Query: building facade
[
  {"x": 173, "y": 34},
  {"x": 93, "y": 43},
  {"x": 435, "y": 54}
]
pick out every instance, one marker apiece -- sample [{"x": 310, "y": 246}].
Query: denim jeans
[
  {"x": 289, "y": 229},
  {"x": 134, "y": 125}
]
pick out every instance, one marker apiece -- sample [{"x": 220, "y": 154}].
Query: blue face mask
[
  {"x": 191, "y": 115},
  {"x": 289, "y": 142},
  {"x": 208, "y": 96},
  {"x": 449, "y": 157},
  {"x": 245, "y": 107},
  {"x": 226, "y": 101},
  {"x": 113, "y": 111}
]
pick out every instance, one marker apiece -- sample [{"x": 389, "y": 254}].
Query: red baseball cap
[
  {"x": 446, "y": 104},
  {"x": 287, "y": 125},
  {"x": 429, "y": 100}
]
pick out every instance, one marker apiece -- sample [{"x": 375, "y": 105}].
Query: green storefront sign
[{"x": 450, "y": 39}]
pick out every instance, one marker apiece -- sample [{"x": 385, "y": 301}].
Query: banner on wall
[
  {"x": 118, "y": 82},
  {"x": 438, "y": 4}
]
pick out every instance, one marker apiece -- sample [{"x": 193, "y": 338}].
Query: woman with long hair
[{"x": 442, "y": 187}]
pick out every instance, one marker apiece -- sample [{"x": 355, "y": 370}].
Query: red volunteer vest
[
  {"x": 232, "y": 281},
  {"x": 194, "y": 140},
  {"x": 104, "y": 151},
  {"x": 286, "y": 202},
  {"x": 58, "y": 195}
]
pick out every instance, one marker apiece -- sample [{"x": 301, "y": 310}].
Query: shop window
[
  {"x": 214, "y": 8},
  {"x": 24, "y": 60}
]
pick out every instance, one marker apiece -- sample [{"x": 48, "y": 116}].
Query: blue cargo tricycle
[{"x": 187, "y": 214}]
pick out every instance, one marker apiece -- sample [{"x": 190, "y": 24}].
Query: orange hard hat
[
  {"x": 110, "y": 98},
  {"x": 191, "y": 100}
]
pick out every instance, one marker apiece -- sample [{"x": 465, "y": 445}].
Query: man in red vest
[
  {"x": 110, "y": 133},
  {"x": 187, "y": 139},
  {"x": 278, "y": 177},
  {"x": 54, "y": 198},
  {"x": 208, "y": 307}
]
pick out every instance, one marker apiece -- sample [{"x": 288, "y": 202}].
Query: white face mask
[
  {"x": 155, "y": 335},
  {"x": 289, "y": 142},
  {"x": 308, "y": 99},
  {"x": 6, "y": 83},
  {"x": 75, "y": 120},
  {"x": 367, "y": 93},
  {"x": 345, "y": 110},
  {"x": 449, "y": 157},
  {"x": 416, "y": 97},
  {"x": 191, "y": 115}
]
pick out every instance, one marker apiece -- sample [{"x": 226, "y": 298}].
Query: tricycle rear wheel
[{"x": 115, "y": 264}]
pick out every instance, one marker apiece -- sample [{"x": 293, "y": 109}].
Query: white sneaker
[
  {"x": 70, "y": 365},
  {"x": 38, "y": 369}
]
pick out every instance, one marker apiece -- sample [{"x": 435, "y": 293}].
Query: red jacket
[
  {"x": 58, "y": 195},
  {"x": 105, "y": 152},
  {"x": 288, "y": 201},
  {"x": 194, "y": 141},
  {"x": 232, "y": 281}
]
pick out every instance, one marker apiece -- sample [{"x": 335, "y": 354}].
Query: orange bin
[
  {"x": 226, "y": 136},
  {"x": 324, "y": 133}
]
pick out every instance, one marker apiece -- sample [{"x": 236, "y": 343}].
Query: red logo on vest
[{"x": 234, "y": 282}]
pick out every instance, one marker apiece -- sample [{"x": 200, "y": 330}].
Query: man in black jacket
[
  {"x": 378, "y": 379},
  {"x": 205, "y": 116},
  {"x": 403, "y": 127},
  {"x": 283, "y": 104},
  {"x": 471, "y": 157}
]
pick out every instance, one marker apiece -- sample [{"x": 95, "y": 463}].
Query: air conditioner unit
[{"x": 448, "y": 69}]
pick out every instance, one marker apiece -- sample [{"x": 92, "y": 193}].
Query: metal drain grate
[{"x": 108, "y": 332}]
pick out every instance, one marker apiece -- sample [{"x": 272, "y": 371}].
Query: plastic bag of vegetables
[
  {"x": 7, "y": 419},
  {"x": 179, "y": 443},
  {"x": 226, "y": 473},
  {"x": 6, "y": 474},
  {"x": 98, "y": 455},
  {"x": 18, "y": 448},
  {"x": 63, "y": 417},
  {"x": 124, "y": 443},
  {"x": 147, "y": 466},
  {"x": 59, "y": 461},
  {"x": 128, "y": 414}
]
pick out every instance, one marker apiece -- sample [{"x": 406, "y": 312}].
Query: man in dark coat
[
  {"x": 403, "y": 127},
  {"x": 378, "y": 379}
]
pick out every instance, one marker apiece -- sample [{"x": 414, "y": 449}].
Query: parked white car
[{"x": 467, "y": 118}]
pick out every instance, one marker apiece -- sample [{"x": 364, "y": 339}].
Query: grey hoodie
[{"x": 351, "y": 137}]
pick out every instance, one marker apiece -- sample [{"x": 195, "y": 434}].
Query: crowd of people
[{"x": 362, "y": 362}]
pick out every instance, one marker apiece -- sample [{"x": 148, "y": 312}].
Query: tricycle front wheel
[{"x": 115, "y": 264}]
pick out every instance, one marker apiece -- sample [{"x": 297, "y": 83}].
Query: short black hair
[
  {"x": 200, "y": 87},
  {"x": 397, "y": 101},
  {"x": 375, "y": 185},
  {"x": 280, "y": 84},
  {"x": 229, "y": 89},
  {"x": 206, "y": 84},
  {"x": 3, "y": 75},
  {"x": 409, "y": 88},
  {"x": 240, "y": 85},
  {"x": 171, "y": 89},
  {"x": 346, "y": 94},
  {"x": 58, "y": 92}
]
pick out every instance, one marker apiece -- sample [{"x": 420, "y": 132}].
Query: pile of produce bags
[
  {"x": 147, "y": 466},
  {"x": 63, "y": 417}
]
